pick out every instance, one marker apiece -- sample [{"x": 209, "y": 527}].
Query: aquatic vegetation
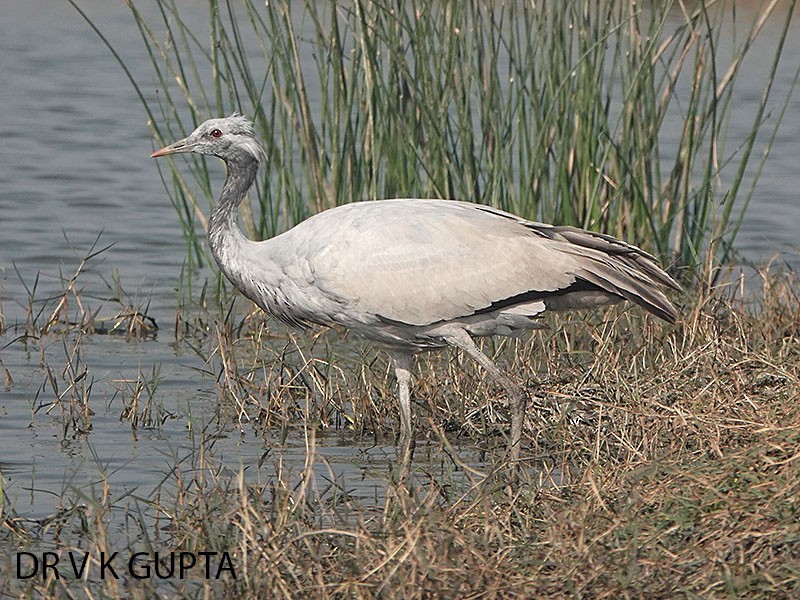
[{"x": 69, "y": 308}]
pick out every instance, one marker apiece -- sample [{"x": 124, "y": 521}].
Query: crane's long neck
[{"x": 233, "y": 252}]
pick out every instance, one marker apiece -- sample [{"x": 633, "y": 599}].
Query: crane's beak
[{"x": 176, "y": 148}]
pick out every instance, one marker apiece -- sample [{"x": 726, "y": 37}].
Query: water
[{"x": 75, "y": 164}]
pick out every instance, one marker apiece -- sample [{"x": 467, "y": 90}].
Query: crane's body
[
  {"x": 417, "y": 273},
  {"x": 395, "y": 271}
]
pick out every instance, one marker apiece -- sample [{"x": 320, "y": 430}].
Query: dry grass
[
  {"x": 69, "y": 310},
  {"x": 661, "y": 462}
]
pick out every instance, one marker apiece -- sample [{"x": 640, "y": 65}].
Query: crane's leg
[
  {"x": 402, "y": 369},
  {"x": 462, "y": 340}
]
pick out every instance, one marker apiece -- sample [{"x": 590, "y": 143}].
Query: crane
[{"x": 417, "y": 274}]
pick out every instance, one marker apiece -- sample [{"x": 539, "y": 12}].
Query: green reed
[{"x": 557, "y": 110}]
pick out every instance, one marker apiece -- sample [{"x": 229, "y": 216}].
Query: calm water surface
[{"x": 75, "y": 164}]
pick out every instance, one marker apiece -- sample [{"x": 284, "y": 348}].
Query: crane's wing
[{"x": 420, "y": 262}]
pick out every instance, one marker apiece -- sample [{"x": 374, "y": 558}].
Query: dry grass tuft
[{"x": 66, "y": 308}]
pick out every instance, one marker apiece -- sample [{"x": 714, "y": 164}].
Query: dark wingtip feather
[{"x": 622, "y": 269}]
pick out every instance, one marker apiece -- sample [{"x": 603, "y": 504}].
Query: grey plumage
[{"x": 414, "y": 273}]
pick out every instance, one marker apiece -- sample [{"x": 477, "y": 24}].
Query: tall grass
[{"x": 607, "y": 115}]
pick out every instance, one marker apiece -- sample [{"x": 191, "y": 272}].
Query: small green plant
[
  {"x": 68, "y": 310},
  {"x": 139, "y": 397},
  {"x": 68, "y": 390}
]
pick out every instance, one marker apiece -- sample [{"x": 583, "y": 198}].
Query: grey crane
[{"x": 416, "y": 274}]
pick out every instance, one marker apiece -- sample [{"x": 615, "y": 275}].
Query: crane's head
[{"x": 230, "y": 138}]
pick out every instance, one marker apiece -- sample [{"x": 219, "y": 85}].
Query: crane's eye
[{"x": 215, "y": 133}]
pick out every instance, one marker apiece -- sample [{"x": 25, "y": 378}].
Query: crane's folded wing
[{"x": 419, "y": 263}]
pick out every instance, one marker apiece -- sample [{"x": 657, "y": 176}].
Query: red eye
[{"x": 215, "y": 133}]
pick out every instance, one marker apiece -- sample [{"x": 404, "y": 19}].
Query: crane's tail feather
[
  {"x": 621, "y": 269},
  {"x": 632, "y": 288}
]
